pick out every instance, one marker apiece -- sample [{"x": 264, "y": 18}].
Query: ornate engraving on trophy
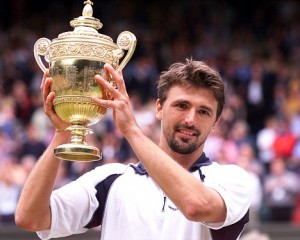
[
  {"x": 70, "y": 71},
  {"x": 62, "y": 84},
  {"x": 88, "y": 75},
  {"x": 89, "y": 50}
]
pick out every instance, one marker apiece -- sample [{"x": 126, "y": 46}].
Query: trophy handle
[
  {"x": 126, "y": 41},
  {"x": 40, "y": 49}
]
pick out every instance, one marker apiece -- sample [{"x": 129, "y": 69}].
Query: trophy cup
[{"x": 74, "y": 59}]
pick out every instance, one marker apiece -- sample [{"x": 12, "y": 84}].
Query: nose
[{"x": 190, "y": 118}]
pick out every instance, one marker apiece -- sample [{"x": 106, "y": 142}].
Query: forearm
[
  {"x": 193, "y": 199},
  {"x": 33, "y": 211}
]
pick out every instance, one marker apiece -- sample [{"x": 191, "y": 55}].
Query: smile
[{"x": 186, "y": 132}]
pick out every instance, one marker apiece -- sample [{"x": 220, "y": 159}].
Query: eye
[
  {"x": 204, "y": 112},
  {"x": 182, "y": 105}
]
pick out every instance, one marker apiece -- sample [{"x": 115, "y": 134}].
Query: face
[{"x": 187, "y": 116}]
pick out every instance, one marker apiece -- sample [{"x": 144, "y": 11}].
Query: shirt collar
[{"x": 201, "y": 161}]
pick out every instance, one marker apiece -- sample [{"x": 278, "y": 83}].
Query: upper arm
[
  {"x": 73, "y": 205},
  {"x": 218, "y": 209}
]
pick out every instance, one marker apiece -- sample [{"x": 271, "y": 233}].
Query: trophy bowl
[{"x": 74, "y": 59}]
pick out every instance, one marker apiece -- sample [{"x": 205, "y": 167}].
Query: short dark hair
[{"x": 194, "y": 73}]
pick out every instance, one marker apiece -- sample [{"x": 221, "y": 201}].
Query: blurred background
[{"x": 255, "y": 45}]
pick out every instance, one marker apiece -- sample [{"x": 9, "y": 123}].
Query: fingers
[
  {"x": 46, "y": 88},
  {"x": 45, "y": 85},
  {"x": 48, "y": 96},
  {"x": 103, "y": 102},
  {"x": 48, "y": 106},
  {"x": 111, "y": 89},
  {"x": 46, "y": 75},
  {"x": 117, "y": 76},
  {"x": 116, "y": 93},
  {"x": 57, "y": 122}
]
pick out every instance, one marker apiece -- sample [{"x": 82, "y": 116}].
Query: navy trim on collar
[{"x": 202, "y": 161}]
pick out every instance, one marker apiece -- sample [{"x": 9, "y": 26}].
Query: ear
[
  {"x": 158, "y": 109},
  {"x": 216, "y": 122}
]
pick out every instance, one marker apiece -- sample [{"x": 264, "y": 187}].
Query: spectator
[
  {"x": 280, "y": 191},
  {"x": 214, "y": 143},
  {"x": 285, "y": 140},
  {"x": 292, "y": 102},
  {"x": 240, "y": 133},
  {"x": 248, "y": 161},
  {"x": 265, "y": 140},
  {"x": 31, "y": 144},
  {"x": 23, "y": 106},
  {"x": 11, "y": 182}
]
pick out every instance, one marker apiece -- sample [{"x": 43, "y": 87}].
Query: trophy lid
[
  {"x": 87, "y": 18},
  {"x": 86, "y": 25},
  {"x": 84, "y": 42}
]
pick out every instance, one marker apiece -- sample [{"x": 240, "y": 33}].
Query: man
[{"x": 175, "y": 192}]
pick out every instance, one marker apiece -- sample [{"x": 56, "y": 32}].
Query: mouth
[{"x": 187, "y": 133}]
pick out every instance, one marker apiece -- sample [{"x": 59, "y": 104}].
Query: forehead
[{"x": 193, "y": 95}]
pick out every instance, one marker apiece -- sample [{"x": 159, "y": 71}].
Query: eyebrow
[{"x": 202, "y": 106}]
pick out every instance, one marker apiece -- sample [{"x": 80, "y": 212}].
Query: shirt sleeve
[
  {"x": 73, "y": 205},
  {"x": 233, "y": 184}
]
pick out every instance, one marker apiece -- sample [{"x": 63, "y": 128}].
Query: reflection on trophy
[{"x": 74, "y": 59}]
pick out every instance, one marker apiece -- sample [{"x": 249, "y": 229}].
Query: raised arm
[
  {"x": 196, "y": 201},
  {"x": 33, "y": 212}
]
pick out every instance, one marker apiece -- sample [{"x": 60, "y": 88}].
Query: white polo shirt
[{"x": 133, "y": 207}]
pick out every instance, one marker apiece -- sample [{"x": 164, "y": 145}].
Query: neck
[{"x": 185, "y": 160}]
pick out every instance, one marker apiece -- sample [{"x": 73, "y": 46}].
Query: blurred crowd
[{"x": 255, "y": 47}]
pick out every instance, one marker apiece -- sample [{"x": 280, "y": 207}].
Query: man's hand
[
  {"x": 120, "y": 102},
  {"x": 48, "y": 98}
]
